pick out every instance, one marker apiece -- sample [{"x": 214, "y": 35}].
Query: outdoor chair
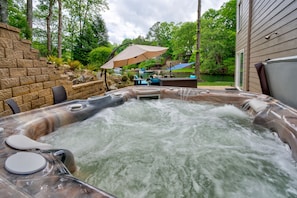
[
  {"x": 139, "y": 81},
  {"x": 59, "y": 94},
  {"x": 13, "y": 106},
  {"x": 154, "y": 81},
  {"x": 260, "y": 67}
]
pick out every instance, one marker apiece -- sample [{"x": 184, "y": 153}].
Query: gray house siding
[{"x": 273, "y": 34}]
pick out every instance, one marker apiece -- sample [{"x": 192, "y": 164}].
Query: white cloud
[{"x": 131, "y": 18}]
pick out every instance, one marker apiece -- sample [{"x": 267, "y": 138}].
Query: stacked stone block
[{"x": 28, "y": 79}]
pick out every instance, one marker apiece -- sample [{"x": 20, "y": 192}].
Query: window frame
[{"x": 239, "y": 70}]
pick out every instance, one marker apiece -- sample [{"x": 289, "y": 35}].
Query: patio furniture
[
  {"x": 179, "y": 82},
  {"x": 13, "y": 106},
  {"x": 139, "y": 81},
  {"x": 59, "y": 94}
]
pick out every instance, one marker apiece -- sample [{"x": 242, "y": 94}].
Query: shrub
[
  {"x": 55, "y": 60},
  {"x": 147, "y": 64},
  {"x": 92, "y": 67},
  {"x": 74, "y": 64},
  {"x": 131, "y": 75},
  {"x": 125, "y": 78},
  {"x": 99, "y": 55}
]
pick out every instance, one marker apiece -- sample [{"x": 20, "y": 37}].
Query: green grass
[
  {"x": 216, "y": 83},
  {"x": 205, "y": 83},
  {"x": 188, "y": 70}
]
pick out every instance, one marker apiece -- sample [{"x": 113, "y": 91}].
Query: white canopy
[{"x": 134, "y": 54}]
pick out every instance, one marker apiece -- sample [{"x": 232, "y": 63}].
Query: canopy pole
[
  {"x": 109, "y": 58},
  {"x": 105, "y": 79},
  {"x": 170, "y": 70}
]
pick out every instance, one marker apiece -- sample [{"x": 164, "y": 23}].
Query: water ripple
[{"x": 173, "y": 148}]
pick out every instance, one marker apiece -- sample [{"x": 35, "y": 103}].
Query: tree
[
  {"x": 183, "y": 40},
  {"x": 198, "y": 41},
  {"x": 82, "y": 12},
  {"x": 39, "y": 39},
  {"x": 3, "y": 11},
  {"x": 228, "y": 15},
  {"x": 30, "y": 17},
  {"x": 60, "y": 23},
  {"x": 94, "y": 34},
  {"x": 211, "y": 42},
  {"x": 100, "y": 31},
  {"x": 97, "y": 56},
  {"x": 218, "y": 39},
  {"x": 17, "y": 18},
  {"x": 141, "y": 41},
  {"x": 79, "y": 15},
  {"x": 60, "y": 27},
  {"x": 161, "y": 34},
  {"x": 48, "y": 26}
]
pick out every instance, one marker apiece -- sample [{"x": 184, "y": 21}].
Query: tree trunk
[
  {"x": 80, "y": 18},
  {"x": 197, "y": 65},
  {"x": 3, "y": 11},
  {"x": 60, "y": 27},
  {"x": 48, "y": 27},
  {"x": 30, "y": 17}
]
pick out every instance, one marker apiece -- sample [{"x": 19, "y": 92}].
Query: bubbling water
[{"x": 172, "y": 148}]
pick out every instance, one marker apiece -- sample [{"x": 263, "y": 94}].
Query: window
[
  {"x": 239, "y": 71},
  {"x": 239, "y": 15}
]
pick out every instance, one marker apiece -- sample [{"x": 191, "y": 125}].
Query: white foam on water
[{"x": 160, "y": 148}]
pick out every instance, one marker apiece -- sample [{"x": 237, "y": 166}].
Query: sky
[{"x": 133, "y": 18}]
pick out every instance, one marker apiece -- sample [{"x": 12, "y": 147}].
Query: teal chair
[
  {"x": 155, "y": 81},
  {"x": 139, "y": 81}
]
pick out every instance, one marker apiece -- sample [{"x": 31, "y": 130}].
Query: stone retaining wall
[{"x": 28, "y": 78}]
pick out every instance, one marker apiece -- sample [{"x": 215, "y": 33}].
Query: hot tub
[{"x": 55, "y": 177}]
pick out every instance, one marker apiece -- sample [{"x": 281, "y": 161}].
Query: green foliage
[
  {"x": 59, "y": 61},
  {"x": 84, "y": 31},
  {"x": 66, "y": 54},
  {"x": 147, "y": 64},
  {"x": 77, "y": 17},
  {"x": 98, "y": 56},
  {"x": 183, "y": 41},
  {"x": 41, "y": 46},
  {"x": 141, "y": 41},
  {"x": 130, "y": 75},
  {"x": 17, "y": 18},
  {"x": 161, "y": 34},
  {"x": 216, "y": 83},
  {"x": 99, "y": 31},
  {"x": 229, "y": 63},
  {"x": 55, "y": 60},
  {"x": 218, "y": 39},
  {"x": 128, "y": 67},
  {"x": 74, "y": 64},
  {"x": 85, "y": 27},
  {"x": 94, "y": 35},
  {"x": 166, "y": 34},
  {"x": 125, "y": 78},
  {"x": 228, "y": 15},
  {"x": 91, "y": 67},
  {"x": 184, "y": 70}
]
